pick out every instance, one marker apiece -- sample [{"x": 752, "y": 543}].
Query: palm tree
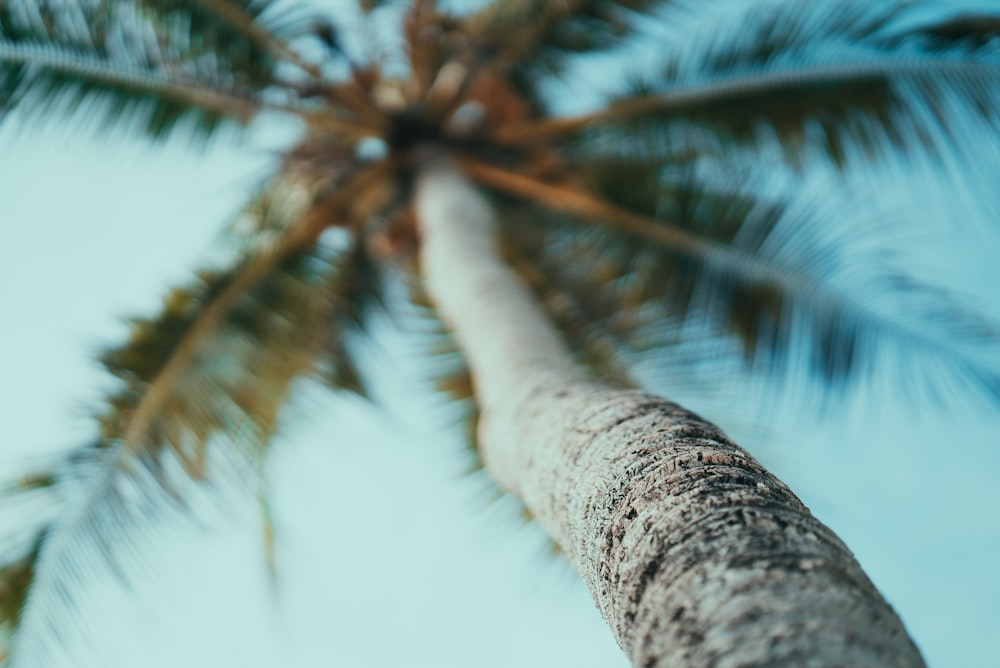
[{"x": 576, "y": 257}]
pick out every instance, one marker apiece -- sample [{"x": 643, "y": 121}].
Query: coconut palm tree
[{"x": 583, "y": 259}]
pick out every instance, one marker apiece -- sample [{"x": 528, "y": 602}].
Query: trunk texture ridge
[{"x": 694, "y": 553}]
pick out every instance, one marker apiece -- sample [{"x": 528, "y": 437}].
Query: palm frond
[
  {"x": 964, "y": 32},
  {"x": 841, "y": 79},
  {"x": 531, "y": 34},
  {"x": 15, "y": 579},
  {"x": 207, "y": 375},
  {"x": 250, "y": 36},
  {"x": 152, "y": 63},
  {"x": 27, "y": 508},
  {"x": 671, "y": 258}
]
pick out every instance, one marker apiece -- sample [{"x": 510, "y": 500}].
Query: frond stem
[
  {"x": 158, "y": 391},
  {"x": 578, "y": 201},
  {"x": 571, "y": 199},
  {"x": 301, "y": 236},
  {"x": 721, "y": 91},
  {"x": 189, "y": 91},
  {"x": 348, "y": 128},
  {"x": 159, "y": 83}
]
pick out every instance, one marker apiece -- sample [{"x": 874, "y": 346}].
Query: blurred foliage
[{"x": 669, "y": 229}]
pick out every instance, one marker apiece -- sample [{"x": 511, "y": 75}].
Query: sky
[{"x": 388, "y": 554}]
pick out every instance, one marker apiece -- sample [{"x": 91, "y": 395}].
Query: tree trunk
[{"x": 695, "y": 555}]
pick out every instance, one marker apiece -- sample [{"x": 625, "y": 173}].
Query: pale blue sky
[{"x": 389, "y": 557}]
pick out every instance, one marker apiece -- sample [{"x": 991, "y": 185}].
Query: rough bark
[{"x": 695, "y": 554}]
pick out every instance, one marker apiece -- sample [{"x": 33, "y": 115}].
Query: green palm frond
[
  {"x": 201, "y": 386},
  {"x": 528, "y": 34},
  {"x": 969, "y": 32},
  {"x": 187, "y": 370},
  {"x": 148, "y": 63},
  {"x": 668, "y": 259},
  {"x": 27, "y": 508},
  {"x": 838, "y": 79},
  {"x": 15, "y": 580},
  {"x": 249, "y": 36}
]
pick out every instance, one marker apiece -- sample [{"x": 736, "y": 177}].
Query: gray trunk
[{"x": 695, "y": 555}]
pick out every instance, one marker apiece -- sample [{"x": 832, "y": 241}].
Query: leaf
[
  {"x": 249, "y": 36},
  {"x": 123, "y": 61},
  {"x": 27, "y": 506},
  {"x": 962, "y": 32},
  {"x": 538, "y": 34},
  {"x": 840, "y": 79},
  {"x": 670, "y": 259},
  {"x": 201, "y": 386},
  {"x": 15, "y": 579}
]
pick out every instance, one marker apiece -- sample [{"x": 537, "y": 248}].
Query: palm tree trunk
[{"x": 695, "y": 555}]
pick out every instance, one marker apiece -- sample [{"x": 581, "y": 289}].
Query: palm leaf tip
[
  {"x": 28, "y": 512},
  {"x": 15, "y": 581},
  {"x": 16, "y": 576}
]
